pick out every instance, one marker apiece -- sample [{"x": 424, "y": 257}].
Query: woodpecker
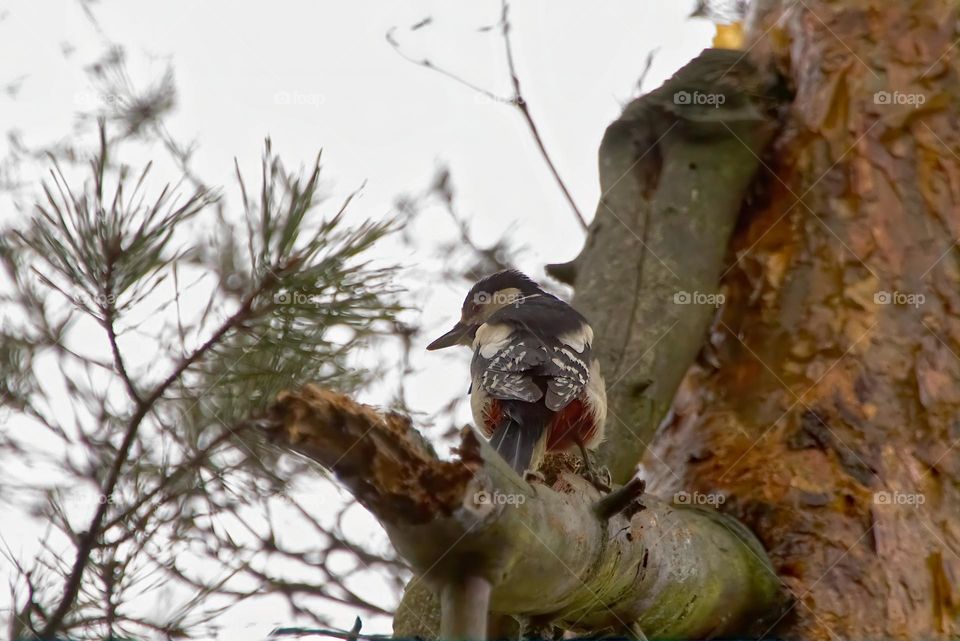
[{"x": 535, "y": 385}]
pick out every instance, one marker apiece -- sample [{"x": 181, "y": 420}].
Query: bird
[{"x": 535, "y": 385}]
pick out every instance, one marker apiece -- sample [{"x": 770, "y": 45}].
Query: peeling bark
[
  {"x": 671, "y": 571},
  {"x": 829, "y": 410}
]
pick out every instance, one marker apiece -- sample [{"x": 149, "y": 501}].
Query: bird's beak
[{"x": 451, "y": 338}]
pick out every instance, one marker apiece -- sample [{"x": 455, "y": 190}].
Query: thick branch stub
[
  {"x": 385, "y": 463},
  {"x": 620, "y": 500},
  {"x": 464, "y": 607},
  {"x": 566, "y": 273}
]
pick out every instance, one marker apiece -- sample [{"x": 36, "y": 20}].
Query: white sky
[{"x": 379, "y": 118}]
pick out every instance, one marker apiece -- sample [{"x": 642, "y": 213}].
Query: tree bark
[
  {"x": 828, "y": 411},
  {"x": 560, "y": 553},
  {"x": 674, "y": 170}
]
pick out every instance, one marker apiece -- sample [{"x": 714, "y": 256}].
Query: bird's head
[{"x": 486, "y": 297}]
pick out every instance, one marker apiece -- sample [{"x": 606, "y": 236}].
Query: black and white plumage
[{"x": 535, "y": 385}]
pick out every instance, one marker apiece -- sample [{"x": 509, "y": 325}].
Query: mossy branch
[
  {"x": 546, "y": 552},
  {"x": 674, "y": 171}
]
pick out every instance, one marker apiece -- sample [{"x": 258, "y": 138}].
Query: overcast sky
[{"x": 314, "y": 74}]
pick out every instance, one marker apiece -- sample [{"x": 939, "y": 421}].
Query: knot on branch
[{"x": 386, "y": 463}]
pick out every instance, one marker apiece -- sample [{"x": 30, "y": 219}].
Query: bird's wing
[
  {"x": 504, "y": 361},
  {"x": 569, "y": 373},
  {"x": 541, "y": 338}
]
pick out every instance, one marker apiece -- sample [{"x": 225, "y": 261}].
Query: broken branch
[{"x": 671, "y": 570}]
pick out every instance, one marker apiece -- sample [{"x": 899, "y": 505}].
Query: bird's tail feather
[{"x": 517, "y": 443}]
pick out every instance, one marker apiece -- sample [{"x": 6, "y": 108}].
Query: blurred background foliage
[{"x": 143, "y": 324}]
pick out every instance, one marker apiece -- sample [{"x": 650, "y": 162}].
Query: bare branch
[
  {"x": 516, "y": 99},
  {"x": 520, "y": 102},
  {"x": 89, "y": 536}
]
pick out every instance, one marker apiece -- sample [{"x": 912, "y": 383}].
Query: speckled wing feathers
[{"x": 531, "y": 350}]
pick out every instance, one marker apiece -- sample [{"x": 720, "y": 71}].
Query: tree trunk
[{"x": 826, "y": 407}]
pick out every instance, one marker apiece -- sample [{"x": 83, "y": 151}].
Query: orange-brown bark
[{"x": 827, "y": 407}]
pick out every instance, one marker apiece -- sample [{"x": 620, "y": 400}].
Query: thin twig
[
  {"x": 521, "y": 104},
  {"x": 182, "y": 470},
  {"x": 426, "y": 64},
  {"x": 646, "y": 68},
  {"x": 328, "y": 632},
  {"x": 86, "y": 541},
  {"x": 517, "y": 100}
]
